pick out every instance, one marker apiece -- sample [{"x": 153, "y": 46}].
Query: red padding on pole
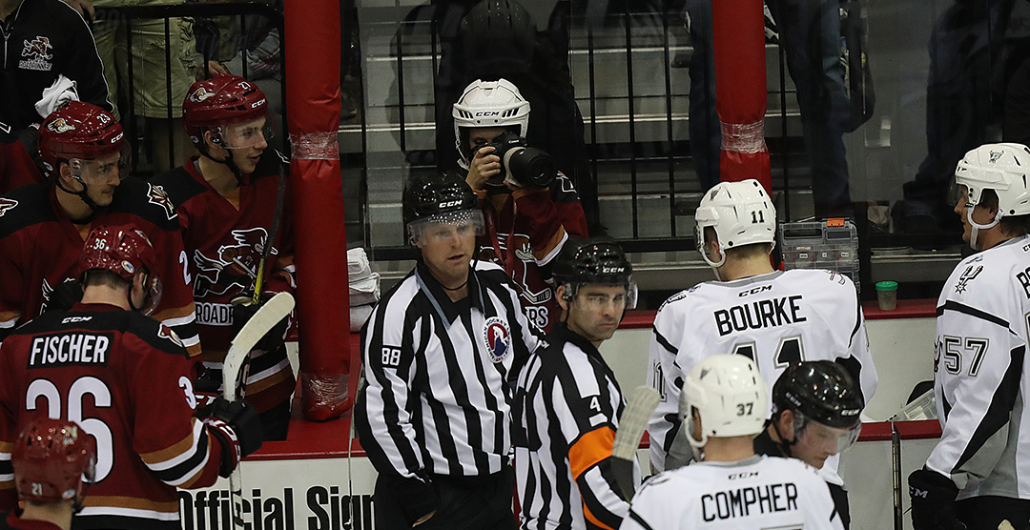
[
  {"x": 738, "y": 37},
  {"x": 312, "y": 47}
]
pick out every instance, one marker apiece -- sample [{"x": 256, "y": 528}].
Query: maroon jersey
[
  {"x": 126, "y": 380},
  {"x": 10, "y": 521},
  {"x": 224, "y": 237},
  {"x": 17, "y": 168},
  {"x": 526, "y": 230},
  {"x": 40, "y": 248}
]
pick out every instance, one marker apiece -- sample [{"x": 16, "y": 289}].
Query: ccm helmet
[
  {"x": 729, "y": 395},
  {"x": 1003, "y": 168},
  {"x": 439, "y": 199},
  {"x": 50, "y": 459},
  {"x": 78, "y": 131},
  {"x": 594, "y": 262},
  {"x": 821, "y": 390},
  {"x": 122, "y": 250},
  {"x": 222, "y": 101},
  {"x": 489, "y": 104},
  {"x": 741, "y": 213}
]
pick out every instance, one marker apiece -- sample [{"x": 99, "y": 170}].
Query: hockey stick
[
  {"x": 235, "y": 369},
  {"x": 632, "y": 424},
  {"x": 273, "y": 230}
]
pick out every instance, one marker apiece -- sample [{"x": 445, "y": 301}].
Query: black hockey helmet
[
  {"x": 439, "y": 198},
  {"x": 583, "y": 262},
  {"x": 822, "y": 391}
]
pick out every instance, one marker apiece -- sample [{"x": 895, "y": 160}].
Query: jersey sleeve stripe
[
  {"x": 952, "y": 305},
  {"x": 175, "y": 450},
  {"x": 176, "y": 470},
  {"x": 589, "y": 516},
  {"x": 10, "y": 318},
  {"x": 664, "y": 341},
  {"x": 590, "y": 449},
  {"x": 1000, "y": 409},
  {"x": 639, "y": 520}
]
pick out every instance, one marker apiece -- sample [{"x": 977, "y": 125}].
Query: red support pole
[
  {"x": 738, "y": 37},
  {"x": 312, "y": 46}
]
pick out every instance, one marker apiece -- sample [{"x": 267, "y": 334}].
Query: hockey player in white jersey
[
  {"x": 722, "y": 405},
  {"x": 774, "y": 318},
  {"x": 978, "y": 475}
]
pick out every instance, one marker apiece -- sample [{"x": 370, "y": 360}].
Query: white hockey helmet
[
  {"x": 1003, "y": 168},
  {"x": 729, "y": 395},
  {"x": 489, "y": 104},
  {"x": 741, "y": 213}
]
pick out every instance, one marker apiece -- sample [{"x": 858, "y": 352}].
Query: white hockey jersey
[
  {"x": 774, "y": 319},
  {"x": 760, "y": 492},
  {"x": 981, "y": 375}
]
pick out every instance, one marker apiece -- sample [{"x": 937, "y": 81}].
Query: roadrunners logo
[
  {"x": 200, "y": 95},
  {"x": 233, "y": 266},
  {"x": 498, "y": 338},
  {"x": 7, "y": 204},
  {"x": 60, "y": 125},
  {"x": 995, "y": 156},
  {"x": 37, "y": 55},
  {"x": 157, "y": 195},
  {"x": 967, "y": 276}
]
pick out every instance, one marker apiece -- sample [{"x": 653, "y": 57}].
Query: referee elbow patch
[{"x": 590, "y": 449}]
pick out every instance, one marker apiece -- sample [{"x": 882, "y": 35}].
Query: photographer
[{"x": 530, "y": 208}]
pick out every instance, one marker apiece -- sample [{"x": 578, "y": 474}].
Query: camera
[{"x": 521, "y": 165}]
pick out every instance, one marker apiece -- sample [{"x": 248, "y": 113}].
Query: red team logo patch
[
  {"x": 7, "y": 204},
  {"x": 498, "y": 338}
]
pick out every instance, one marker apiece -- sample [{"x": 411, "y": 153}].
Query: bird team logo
[
  {"x": 233, "y": 266},
  {"x": 6, "y": 205},
  {"x": 157, "y": 195},
  {"x": 36, "y": 54},
  {"x": 200, "y": 95},
  {"x": 60, "y": 125},
  {"x": 498, "y": 338}
]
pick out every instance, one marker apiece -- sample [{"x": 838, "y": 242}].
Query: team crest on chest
[
  {"x": 7, "y": 204},
  {"x": 158, "y": 196},
  {"x": 498, "y": 338},
  {"x": 36, "y": 54}
]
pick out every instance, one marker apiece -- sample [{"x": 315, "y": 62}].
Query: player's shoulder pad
[
  {"x": 25, "y": 206},
  {"x": 792, "y": 466},
  {"x": 988, "y": 271},
  {"x": 134, "y": 323},
  {"x": 678, "y": 301},
  {"x": 148, "y": 201},
  {"x": 179, "y": 184}
]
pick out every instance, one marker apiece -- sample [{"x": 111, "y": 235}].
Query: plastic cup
[{"x": 887, "y": 295}]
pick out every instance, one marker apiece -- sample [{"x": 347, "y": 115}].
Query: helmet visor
[
  {"x": 598, "y": 301},
  {"x": 153, "y": 298},
  {"x": 101, "y": 170},
  {"x": 443, "y": 226},
  {"x": 959, "y": 193},
  {"x": 831, "y": 440},
  {"x": 247, "y": 134}
]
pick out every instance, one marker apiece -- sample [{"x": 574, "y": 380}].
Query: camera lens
[{"x": 532, "y": 167}]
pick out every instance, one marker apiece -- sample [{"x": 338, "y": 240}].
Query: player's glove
[
  {"x": 933, "y": 501},
  {"x": 243, "y": 309},
  {"x": 65, "y": 295},
  {"x": 237, "y": 427}
]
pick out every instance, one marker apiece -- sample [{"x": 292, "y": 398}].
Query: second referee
[{"x": 438, "y": 351}]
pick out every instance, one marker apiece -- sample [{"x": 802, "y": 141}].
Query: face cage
[
  {"x": 572, "y": 291},
  {"x": 846, "y": 437},
  {"x": 417, "y": 228},
  {"x": 246, "y": 134}
]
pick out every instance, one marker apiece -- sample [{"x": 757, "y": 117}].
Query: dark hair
[
  {"x": 99, "y": 277},
  {"x": 1016, "y": 225},
  {"x": 742, "y": 252}
]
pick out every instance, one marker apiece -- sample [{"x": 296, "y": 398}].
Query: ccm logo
[
  {"x": 449, "y": 204},
  {"x": 488, "y": 113}
]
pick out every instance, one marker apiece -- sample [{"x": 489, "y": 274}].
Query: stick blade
[
  {"x": 641, "y": 404},
  {"x": 274, "y": 310}
]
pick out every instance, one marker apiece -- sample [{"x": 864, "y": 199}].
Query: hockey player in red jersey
[
  {"x": 226, "y": 199},
  {"x": 52, "y": 464},
  {"x": 126, "y": 379},
  {"x": 527, "y": 222},
  {"x": 42, "y": 226}
]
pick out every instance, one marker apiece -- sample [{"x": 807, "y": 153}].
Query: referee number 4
[{"x": 391, "y": 356}]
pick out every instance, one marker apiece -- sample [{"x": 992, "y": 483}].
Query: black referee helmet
[
  {"x": 822, "y": 391},
  {"x": 432, "y": 195},
  {"x": 582, "y": 262}
]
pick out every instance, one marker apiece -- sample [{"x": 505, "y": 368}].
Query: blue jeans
[{"x": 810, "y": 36}]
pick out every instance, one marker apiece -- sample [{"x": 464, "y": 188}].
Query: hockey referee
[
  {"x": 438, "y": 351},
  {"x": 980, "y": 367},
  {"x": 568, "y": 404}
]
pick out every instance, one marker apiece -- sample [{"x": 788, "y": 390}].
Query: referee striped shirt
[
  {"x": 436, "y": 397},
  {"x": 566, "y": 411}
]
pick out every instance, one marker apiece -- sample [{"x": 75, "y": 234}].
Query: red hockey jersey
[
  {"x": 17, "y": 168},
  {"x": 40, "y": 248},
  {"x": 224, "y": 237},
  {"x": 526, "y": 229},
  {"x": 125, "y": 379}
]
